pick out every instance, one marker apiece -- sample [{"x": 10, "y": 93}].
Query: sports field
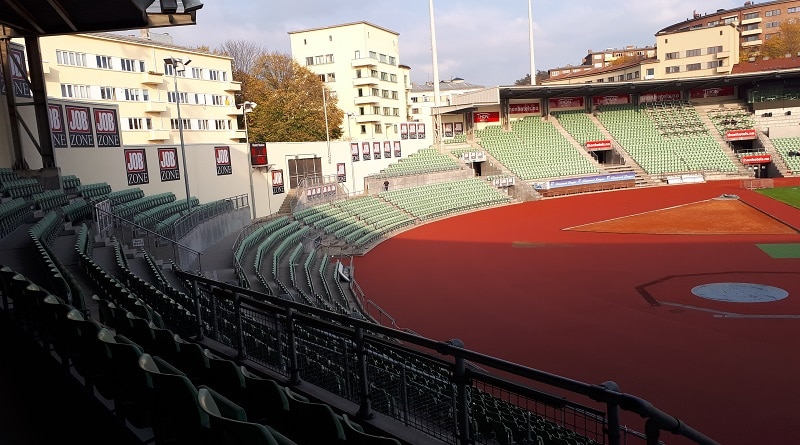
[{"x": 687, "y": 296}]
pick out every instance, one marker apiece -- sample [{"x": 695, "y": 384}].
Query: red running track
[{"x": 568, "y": 303}]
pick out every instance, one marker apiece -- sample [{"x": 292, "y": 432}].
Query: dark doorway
[{"x": 308, "y": 168}]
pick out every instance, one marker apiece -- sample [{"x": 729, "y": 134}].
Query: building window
[
  {"x": 376, "y": 92},
  {"x": 104, "y": 62},
  {"x": 386, "y": 111},
  {"x": 793, "y": 10},
  {"x": 693, "y": 52},
  {"x": 413, "y": 111},
  {"x": 373, "y": 55},
  {"x": 202, "y": 124},
  {"x": 693, "y": 67},
  {"x": 131, "y": 65},
  {"x": 673, "y": 69},
  {"x": 611, "y": 79},
  {"x": 135, "y": 123},
  {"x": 221, "y": 124},
  {"x": 309, "y": 61},
  {"x": 651, "y": 71},
  {"x": 729, "y": 20},
  {"x": 197, "y": 73},
  {"x": 392, "y": 61},
  {"x": 71, "y": 58},
  {"x": 382, "y": 58},
  {"x": 714, "y": 64},
  {"x": 750, "y": 15},
  {"x": 76, "y": 91},
  {"x": 363, "y": 129},
  {"x": 750, "y": 38},
  {"x": 136, "y": 95},
  {"x": 714, "y": 49},
  {"x": 772, "y": 13},
  {"x": 414, "y": 99},
  {"x": 171, "y": 97},
  {"x": 713, "y": 24},
  {"x": 394, "y": 95},
  {"x": 620, "y": 78},
  {"x": 374, "y": 73},
  {"x": 187, "y": 124},
  {"x": 328, "y": 58},
  {"x": 396, "y": 112},
  {"x": 376, "y": 109},
  {"x": 750, "y": 27},
  {"x": 214, "y": 75},
  {"x": 357, "y": 54},
  {"x": 217, "y": 99},
  {"x": 108, "y": 93},
  {"x": 673, "y": 55},
  {"x": 772, "y": 24},
  {"x": 378, "y": 129},
  {"x": 331, "y": 77}
]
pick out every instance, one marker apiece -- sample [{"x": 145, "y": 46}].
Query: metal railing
[
  {"x": 134, "y": 235},
  {"x": 205, "y": 212},
  {"x": 427, "y": 385}
]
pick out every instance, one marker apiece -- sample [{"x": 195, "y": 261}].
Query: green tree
[
  {"x": 540, "y": 76},
  {"x": 290, "y": 102},
  {"x": 786, "y": 42}
]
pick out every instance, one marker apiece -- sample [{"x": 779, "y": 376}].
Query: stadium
[{"x": 564, "y": 264}]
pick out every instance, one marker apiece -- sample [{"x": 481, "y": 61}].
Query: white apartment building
[
  {"x": 360, "y": 64},
  {"x": 131, "y": 73}
]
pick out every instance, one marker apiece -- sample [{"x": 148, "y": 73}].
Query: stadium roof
[
  {"x": 643, "y": 86},
  {"x": 25, "y": 18}
]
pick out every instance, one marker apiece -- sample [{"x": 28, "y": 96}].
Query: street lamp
[
  {"x": 178, "y": 65},
  {"x": 248, "y": 107}
]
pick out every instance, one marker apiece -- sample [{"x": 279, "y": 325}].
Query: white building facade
[{"x": 360, "y": 64}]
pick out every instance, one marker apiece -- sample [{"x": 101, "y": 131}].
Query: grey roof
[{"x": 444, "y": 86}]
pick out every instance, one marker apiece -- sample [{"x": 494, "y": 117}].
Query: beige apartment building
[
  {"x": 757, "y": 22},
  {"x": 130, "y": 72},
  {"x": 699, "y": 52},
  {"x": 360, "y": 64}
]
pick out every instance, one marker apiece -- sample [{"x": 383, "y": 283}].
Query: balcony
[
  {"x": 232, "y": 87},
  {"x": 752, "y": 43},
  {"x": 367, "y": 118},
  {"x": 723, "y": 70},
  {"x": 751, "y": 32},
  {"x": 723, "y": 54},
  {"x": 155, "y": 107},
  {"x": 364, "y": 61},
  {"x": 751, "y": 21},
  {"x": 233, "y": 111},
  {"x": 237, "y": 135},
  {"x": 362, "y": 100},
  {"x": 158, "y": 135},
  {"x": 361, "y": 81},
  {"x": 152, "y": 78}
]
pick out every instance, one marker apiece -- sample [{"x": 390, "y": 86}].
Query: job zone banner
[
  {"x": 79, "y": 126},
  {"x": 277, "y": 182},
  {"x": 222, "y": 157},
  {"x": 397, "y": 152},
  {"x": 19, "y": 72},
  {"x": 365, "y": 151},
  {"x": 58, "y": 133},
  {"x": 354, "y": 151},
  {"x": 376, "y": 150},
  {"x": 387, "y": 149},
  {"x": 168, "y": 164},
  {"x": 136, "y": 166},
  {"x": 106, "y": 127},
  {"x": 341, "y": 172}
]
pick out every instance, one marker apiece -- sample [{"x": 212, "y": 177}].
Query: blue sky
[{"x": 484, "y": 42}]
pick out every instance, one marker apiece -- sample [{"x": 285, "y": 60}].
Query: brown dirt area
[{"x": 714, "y": 216}]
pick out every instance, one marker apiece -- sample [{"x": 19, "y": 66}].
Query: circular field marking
[{"x": 740, "y": 292}]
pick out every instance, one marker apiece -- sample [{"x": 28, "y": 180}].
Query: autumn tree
[
  {"x": 540, "y": 76},
  {"x": 786, "y": 42},
  {"x": 290, "y": 102}
]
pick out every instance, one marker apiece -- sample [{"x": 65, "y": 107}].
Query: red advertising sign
[
  {"x": 105, "y": 125},
  {"x": 565, "y": 102},
  {"x": 341, "y": 172},
  {"x": 19, "y": 72},
  {"x": 412, "y": 130},
  {"x": 756, "y": 159},
  {"x": 79, "y": 126},
  {"x": 458, "y": 128},
  {"x": 700, "y": 93},
  {"x": 397, "y": 151},
  {"x": 598, "y": 145},
  {"x": 660, "y": 96},
  {"x": 403, "y": 131},
  {"x": 611, "y": 100},
  {"x": 365, "y": 151},
  {"x": 258, "y": 154},
  {"x": 481, "y": 117},
  {"x": 387, "y": 149},
  {"x": 136, "y": 166},
  {"x": 222, "y": 156},
  {"x": 448, "y": 129},
  {"x": 168, "y": 164},
  {"x": 526, "y": 108},
  {"x": 354, "y": 151},
  {"x": 277, "y": 182},
  {"x": 58, "y": 134},
  {"x": 740, "y": 135},
  {"x": 376, "y": 150},
  {"x": 420, "y": 131}
]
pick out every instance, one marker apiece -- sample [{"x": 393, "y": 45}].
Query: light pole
[
  {"x": 180, "y": 65},
  {"x": 248, "y": 107}
]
